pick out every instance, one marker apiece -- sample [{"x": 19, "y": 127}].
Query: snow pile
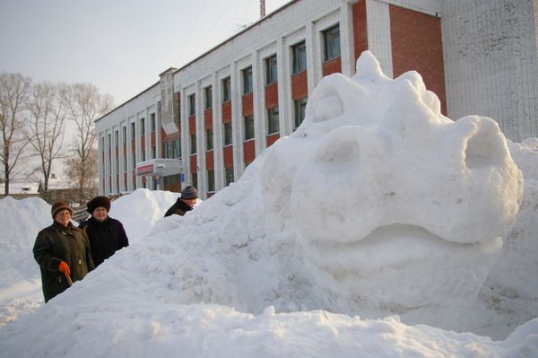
[{"x": 376, "y": 214}]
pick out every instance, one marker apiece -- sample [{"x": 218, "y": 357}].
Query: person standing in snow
[
  {"x": 106, "y": 234},
  {"x": 62, "y": 252},
  {"x": 184, "y": 203}
]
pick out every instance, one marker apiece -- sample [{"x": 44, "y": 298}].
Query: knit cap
[
  {"x": 59, "y": 206},
  {"x": 189, "y": 192}
]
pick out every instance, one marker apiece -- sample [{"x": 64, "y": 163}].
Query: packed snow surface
[{"x": 378, "y": 228}]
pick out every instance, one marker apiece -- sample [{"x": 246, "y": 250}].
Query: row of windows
[
  {"x": 172, "y": 149},
  {"x": 331, "y": 41}
]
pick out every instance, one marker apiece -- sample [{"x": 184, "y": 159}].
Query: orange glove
[{"x": 64, "y": 268}]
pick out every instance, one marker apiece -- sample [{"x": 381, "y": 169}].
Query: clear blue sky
[{"x": 121, "y": 46}]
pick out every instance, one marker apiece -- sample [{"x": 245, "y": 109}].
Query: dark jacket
[
  {"x": 55, "y": 244},
  {"x": 106, "y": 238},
  {"x": 179, "y": 208}
]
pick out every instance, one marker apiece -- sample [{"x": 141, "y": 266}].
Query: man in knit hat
[
  {"x": 184, "y": 203},
  {"x": 62, "y": 252},
  {"x": 106, "y": 234}
]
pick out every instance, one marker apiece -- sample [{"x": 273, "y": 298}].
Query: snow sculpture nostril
[{"x": 485, "y": 148}]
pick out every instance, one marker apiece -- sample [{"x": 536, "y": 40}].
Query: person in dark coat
[
  {"x": 62, "y": 252},
  {"x": 184, "y": 203},
  {"x": 106, "y": 234}
]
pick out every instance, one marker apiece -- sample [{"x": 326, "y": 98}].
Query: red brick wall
[
  {"x": 332, "y": 66},
  {"x": 247, "y": 104},
  {"x": 299, "y": 85},
  {"x": 271, "y": 139},
  {"x": 193, "y": 163},
  {"x": 271, "y": 95},
  {"x": 209, "y": 160},
  {"x": 228, "y": 154},
  {"x": 249, "y": 150},
  {"x": 360, "y": 30},
  {"x": 227, "y": 112},
  {"x": 417, "y": 45},
  {"x": 208, "y": 119},
  {"x": 192, "y": 125}
]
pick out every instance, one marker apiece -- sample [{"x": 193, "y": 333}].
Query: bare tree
[
  {"x": 75, "y": 171},
  {"x": 86, "y": 105},
  {"x": 14, "y": 90},
  {"x": 47, "y": 108}
]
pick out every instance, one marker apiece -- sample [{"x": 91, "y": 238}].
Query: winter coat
[
  {"x": 179, "y": 208},
  {"x": 55, "y": 244},
  {"x": 106, "y": 238}
]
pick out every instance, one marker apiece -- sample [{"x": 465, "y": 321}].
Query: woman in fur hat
[
  {"x": 62, "y": 252},
  {"x": 106, "y": 234}
]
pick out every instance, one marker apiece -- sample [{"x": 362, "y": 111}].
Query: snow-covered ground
[{"x": 379, "y": 228}]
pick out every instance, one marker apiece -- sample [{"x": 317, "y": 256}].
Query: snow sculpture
[
  {"x": 376, "y": 205},
  {"x": 403, "y": 208}
]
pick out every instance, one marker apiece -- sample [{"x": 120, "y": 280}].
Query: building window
[
  {"x": 193, "y": 143},
  {"x": 211, "y": 180},
  {"x": 208, "y": 98},
  {"x": 133, "y": 131},
  {"x": 124, "y": 134},
  {"x": 209, "y": 138},
  {"x": 143, "y": 153},
  {"x": 331, "y": 42},
  {"x": 228, "y": 175},
  {"x": 299, "y": 57},
  {"x": 272, "y": 120},
  {"x": 226, "y": 89},
  {"x": 192, "y": 105},
  {"x": 249, "y": 127},
  {"x": 247, "y": 80},
  {"x": 142, "y": 127},
  {"x": 271, "y": 70},
  {"x": 153, "y": 152},
  {"x": 172, "y": 149},
  {"x": 153, "y": 123},
  {"x": 228, "y": 139},
  {"x": 300, "y": 111}
]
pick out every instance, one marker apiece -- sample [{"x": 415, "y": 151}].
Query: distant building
[
  {"x": 58, "y": 189},
  {"x": 204, "y": 123}
]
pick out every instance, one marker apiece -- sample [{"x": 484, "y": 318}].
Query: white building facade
[{"x": 204, "y": 123}]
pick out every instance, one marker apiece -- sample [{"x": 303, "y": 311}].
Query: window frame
[
  {"x": 227, "y": 132},
  {"x": 271, "y": 70},
  {"x": 299, "y": 110},
  {"x": 331, "y": 43},
  {"x": 273, "y": 121},
  {"x": 192, "y": 105},
  {"x": 299, "y": 63},
  {"x": 226, "y": 89},
  {"x": 193, "y": 143},
  {"x": 208, "y": 98},
  {"x": 209, "y": 138},
  {"x": 247, "y": 80},
  {"x": 249, "y": 131}
]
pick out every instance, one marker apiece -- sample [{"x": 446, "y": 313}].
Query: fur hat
[
  {"x": 189, "y": 192},
  {"x": 59, "y": 206},
  {"x": 98, "y": 202}
]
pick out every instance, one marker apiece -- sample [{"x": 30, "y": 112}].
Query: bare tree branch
[
  {"x": 14, "y": 90},
  {"x": 85, "y": 105}
]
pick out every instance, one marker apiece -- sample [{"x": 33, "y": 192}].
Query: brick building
[{"x": 204, "y": 123}]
